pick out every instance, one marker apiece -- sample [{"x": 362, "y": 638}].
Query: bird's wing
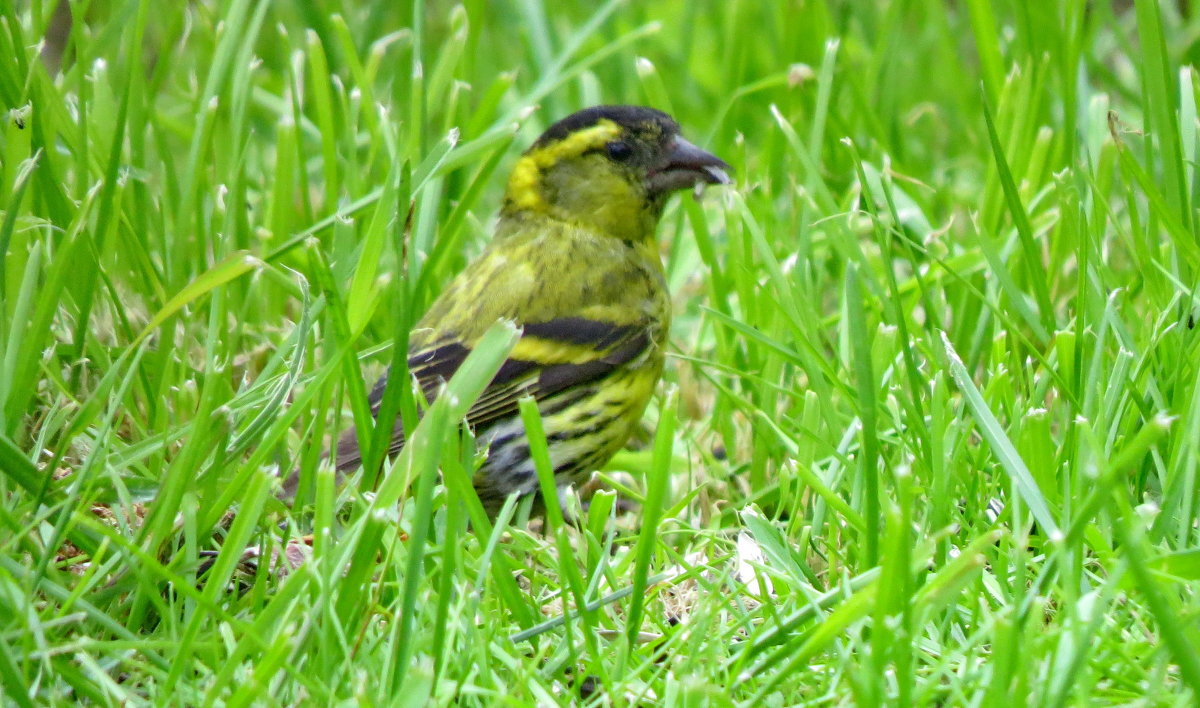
[
  {"x": 550, "y": 358},
  {"x": 577, "y": 329},
  {"x": 555, "y": 356}
]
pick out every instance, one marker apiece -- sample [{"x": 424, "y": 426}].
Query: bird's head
[{"x": 610, "y": 168}]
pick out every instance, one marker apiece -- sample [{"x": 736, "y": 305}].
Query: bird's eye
[{"x": 619, "y": 150}]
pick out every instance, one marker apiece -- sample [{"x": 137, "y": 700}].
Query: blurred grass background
[{"x": 929, "y": 434}]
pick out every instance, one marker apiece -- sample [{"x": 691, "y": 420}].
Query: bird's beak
[{"x": 686, "y": 166}]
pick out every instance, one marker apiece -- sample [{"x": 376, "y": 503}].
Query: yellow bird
[{"x": 575, "y": 263}]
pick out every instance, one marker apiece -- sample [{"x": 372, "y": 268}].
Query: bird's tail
[{"x": 347, "y": 457}]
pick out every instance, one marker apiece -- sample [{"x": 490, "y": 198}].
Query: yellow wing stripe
[{"x": 550, "y": 351}]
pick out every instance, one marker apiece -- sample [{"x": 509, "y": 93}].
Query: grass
[{"x": 929, "y": 434}]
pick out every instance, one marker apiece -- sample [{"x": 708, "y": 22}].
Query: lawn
[{"x": 929, "y": 430}]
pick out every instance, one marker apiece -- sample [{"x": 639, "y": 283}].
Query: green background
[{"x": 929, "y": 428}]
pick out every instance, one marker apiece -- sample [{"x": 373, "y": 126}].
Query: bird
[{"x": 574, "y": 262}]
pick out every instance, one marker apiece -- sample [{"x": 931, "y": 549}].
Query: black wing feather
[{"x": 616, "y": 344}]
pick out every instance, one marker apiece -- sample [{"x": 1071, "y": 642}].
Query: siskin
[{"x": 575, "y": 263}]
